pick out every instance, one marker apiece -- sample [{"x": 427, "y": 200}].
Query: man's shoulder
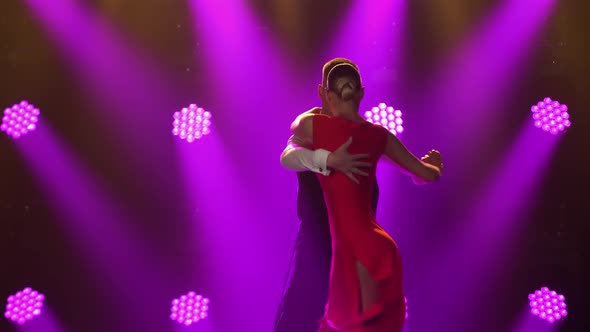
[
  {"x": 306, "y": 116},
  {"x": 313, "y": 110}
]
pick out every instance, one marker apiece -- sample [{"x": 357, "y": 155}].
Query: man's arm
[{"x": 298, "y": 158}]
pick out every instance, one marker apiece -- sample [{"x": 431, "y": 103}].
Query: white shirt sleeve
[{"x": 301, "y": 159}]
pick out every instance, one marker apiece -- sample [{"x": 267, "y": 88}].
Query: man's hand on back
[{"x": 347, "y": 163}]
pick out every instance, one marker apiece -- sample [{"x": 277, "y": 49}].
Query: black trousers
[{"x": 306, "y": 289}]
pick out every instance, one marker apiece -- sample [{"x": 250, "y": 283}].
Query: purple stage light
[
  {"x": 551, "y": 116},
  {"x": 548, "y": 305},
  {"x": 189, "y": 308},
  {"x": 20, "y": 119},
  {"x": 191, "y": 123},
  {"x": 387, "y": 117},
  {"x": 24, "y": 306}
]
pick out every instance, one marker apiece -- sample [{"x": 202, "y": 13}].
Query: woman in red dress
[{"x": 365, "y": 292}]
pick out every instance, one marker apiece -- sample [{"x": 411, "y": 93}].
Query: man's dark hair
[{"x": 331, "y": 64}]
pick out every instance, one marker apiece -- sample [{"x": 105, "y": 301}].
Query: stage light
[
  {"x": 406, "y": 301},
  {"x": 191, "y": 123},
  {"x": 20, "y": 119},
  {"x": 387, "y": 117},
  {"x": 551, "y": 116},
  {"x": 189, "y": 308},
  {"x": 548, "y": 305},
  {"x": 24, "y": 306}
]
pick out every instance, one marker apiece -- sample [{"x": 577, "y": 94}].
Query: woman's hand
[{"x": 434, "y": 158}]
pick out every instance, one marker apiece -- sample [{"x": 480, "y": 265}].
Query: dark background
[{"x": 33, "y": 250}]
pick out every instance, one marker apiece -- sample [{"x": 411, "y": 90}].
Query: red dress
[{"x": 356, "y": 235}]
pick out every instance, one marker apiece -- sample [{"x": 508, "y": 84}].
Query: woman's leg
[{"x": 368, "y": 288}]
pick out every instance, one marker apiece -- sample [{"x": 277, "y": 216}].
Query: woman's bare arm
[{"x": 420, "y": 171}]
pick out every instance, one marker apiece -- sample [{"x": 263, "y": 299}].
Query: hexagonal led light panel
[
  {"x": 551, "y": 116},
  {"x": 189, "y": 308},
  {"x": 387, "y": 117},
  {"x": 20, "y": 119},
  {"x": 548, "y": 305},
  {"x": 191, "y": 123},
  {"x": 24, "y": 306}
]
